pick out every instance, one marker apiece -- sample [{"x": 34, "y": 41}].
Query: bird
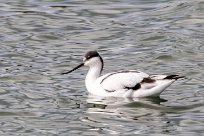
[{"x": 124, "y": 83}]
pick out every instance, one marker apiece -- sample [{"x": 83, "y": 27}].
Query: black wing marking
[
  {"x": 110, "y": 91},
  {"x": 148, "y": 80},
  {"x": 174, "y": 77},
  {"x": 136, "y": 87}
]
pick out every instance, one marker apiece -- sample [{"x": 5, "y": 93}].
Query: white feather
[
  {"x": 121, "y": 79},
  {"x": 123, "y": 83}
]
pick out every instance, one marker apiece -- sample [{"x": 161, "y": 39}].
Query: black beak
[{"x": 82, "y": 64}]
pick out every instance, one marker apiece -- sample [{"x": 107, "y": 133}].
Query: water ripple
[{"x": 40, "y": 39}]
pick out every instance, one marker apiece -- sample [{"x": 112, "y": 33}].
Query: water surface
[{"x": 41, "y": 39}]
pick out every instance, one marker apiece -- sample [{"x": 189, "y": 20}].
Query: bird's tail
[
  {"x": 174, "y": 77},
  {"x": 168, "y": 77}
]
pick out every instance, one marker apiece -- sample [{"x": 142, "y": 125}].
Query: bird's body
[{"x": 122, "y": 83}]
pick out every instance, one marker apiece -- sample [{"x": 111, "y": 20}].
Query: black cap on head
[
  {"x": 88, "y": 55},
  {"x": 91, "y": 54}
]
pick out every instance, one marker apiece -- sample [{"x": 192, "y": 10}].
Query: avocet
[{"x": 129, "y": 83}]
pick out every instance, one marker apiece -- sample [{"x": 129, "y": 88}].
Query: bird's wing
[{"x": 122, "y": 80}]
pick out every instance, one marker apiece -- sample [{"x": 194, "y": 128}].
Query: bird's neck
[{"x": 93, "y": 73}]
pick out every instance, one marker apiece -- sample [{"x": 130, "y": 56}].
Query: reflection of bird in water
[
  {"x": 122, "y": 83},
  {"x": 103, "y": 102}
]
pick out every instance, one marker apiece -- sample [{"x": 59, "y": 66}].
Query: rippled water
[{"x": 40, "y": 39}]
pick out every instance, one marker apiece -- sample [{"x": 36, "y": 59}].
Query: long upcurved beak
[{"x": 82, "y": 64}]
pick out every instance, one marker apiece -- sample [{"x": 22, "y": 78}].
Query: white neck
[{"x": 93, "y": 73}]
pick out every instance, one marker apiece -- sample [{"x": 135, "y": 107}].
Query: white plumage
[{"x": 122, "y": 83}]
